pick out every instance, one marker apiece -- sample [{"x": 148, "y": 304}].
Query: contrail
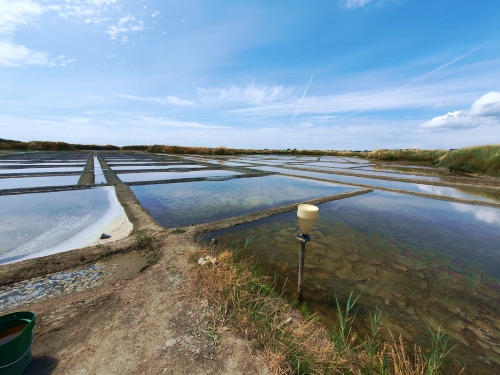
[
  {"x": 296, "y": 110},
  {"x": 456, "y": 59}
]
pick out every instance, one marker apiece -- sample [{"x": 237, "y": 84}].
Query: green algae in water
[
  {"x": 413, "y": 258},
  {"x": 182, "y": 204}
]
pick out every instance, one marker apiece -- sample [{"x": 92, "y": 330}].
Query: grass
[
  {"x": 294, "y": 341},
  {"x": 481, "y": 160},
  {"x": 411, "y": 155},
  {"x": 148, "y": 244}
]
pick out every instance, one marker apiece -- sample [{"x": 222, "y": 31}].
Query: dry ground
[{"x": 149, "y": 324}]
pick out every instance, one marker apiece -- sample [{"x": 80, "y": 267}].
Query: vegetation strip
[
  {"x": 477, "y": 160},
  {"x": 295, "y": 344}
]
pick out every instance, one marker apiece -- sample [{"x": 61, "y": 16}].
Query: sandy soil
[{"x": 150, "y": 324}]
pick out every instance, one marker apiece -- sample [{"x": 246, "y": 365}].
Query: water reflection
[
  {"x": 163, "y": 176},
  {"x": 99, "y": 177},
  {"x": 487, "y": 214},
  {"x": 41, "y": 170},
  {"x": 181, "y": 204},
  {"x": 45, "y": 223},
  {"x": 429, "y": 189},
  {"x": 164, "y": 166},
  {"x": 32, "y": 182},
  {"x": 414, "y": 258}
]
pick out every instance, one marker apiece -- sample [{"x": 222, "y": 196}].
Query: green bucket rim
[{"x": 17, "y": 348}]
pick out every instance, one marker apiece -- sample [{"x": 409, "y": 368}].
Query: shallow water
[
  {"x": 413, "y": 258},
  {"x": 225, "y": 162},
  {"x": 164, "y": 166},
  {"x": 32, "y": 182},
  {"x": 370, "y": 172},
  {"x": 164, "y": 176},
  {"x": 330, "y": 165},
  {"x": 420, "y": 188},
  {"x": 41, "y": 170},
  {"x": 35, "y": 224},
  {"x": 99, "y": 177},
  {"x": 39, "y": 163},
  {"x": 182, "y": 204}
]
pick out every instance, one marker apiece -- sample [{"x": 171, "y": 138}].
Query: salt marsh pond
[{"x": 420, "y": 247}]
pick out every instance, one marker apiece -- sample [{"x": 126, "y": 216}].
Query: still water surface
[
  {"x": 182, "y": 204},
  {"x": 36, "y": 223},
  {"x": 413, "y": 258}
]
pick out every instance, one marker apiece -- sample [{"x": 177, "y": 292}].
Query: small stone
[{"x": 104, "y": 236}]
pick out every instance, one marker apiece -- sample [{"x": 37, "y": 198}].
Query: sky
[{"x": 324, "y": 74}]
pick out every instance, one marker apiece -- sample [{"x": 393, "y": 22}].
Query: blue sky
[{"x": 338, "y": 74}]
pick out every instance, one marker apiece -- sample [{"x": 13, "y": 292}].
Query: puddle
[
  {"x": 183, "y": 204},
  {"x": 164, "y": 176},
  {"x": 32, "y": 182},
  {"x": 107, "y": 271},
  {"x": 413, "y": 258},
  {"x": 420, "y": 188},
  {"x": 39, "y": 224}
]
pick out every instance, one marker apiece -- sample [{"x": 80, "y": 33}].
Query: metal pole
[{"x": 301, "y": 270}]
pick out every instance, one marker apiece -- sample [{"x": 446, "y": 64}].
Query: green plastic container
[{"x": 16, "y": 338}]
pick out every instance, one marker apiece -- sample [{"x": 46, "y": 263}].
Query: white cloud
[
  {"x": 155, "y": 14},
  {"x": 352, "y": 4},
  {"x": 17, "y": 55},
  {"x": 85, "y": 11},
  {"x": 487, "y": 105},
  {"x": 486, "y": 214},
  {"x": 250, "y": 94},
  {"x": 125, "y": 24},
  {"x": 173, "y": 100},
  {"x": 14, "y": 14},
  {"x": 484, "y": 111}
]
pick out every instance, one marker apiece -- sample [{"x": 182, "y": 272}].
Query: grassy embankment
[
  {"x": 295, "y": 344},
  {"x": 478, "y": 160}
]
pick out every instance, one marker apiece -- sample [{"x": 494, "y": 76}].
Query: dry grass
[{"x": 291, "y": 343}]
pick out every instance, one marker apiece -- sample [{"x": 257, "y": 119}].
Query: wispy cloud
[
  {"x": 158, "y": 121},
  {"x": 250, "y": 94},
  {"x": 170, "y": 99},
  {"x": 16, "y": 55},
  {"x": 485, "y": 111},
  {"x": 15, "y": 14},
  {"x": 84, "y": 11},
  {"x": 125, "y": 25},
  {"x": 352, "y": 4}
]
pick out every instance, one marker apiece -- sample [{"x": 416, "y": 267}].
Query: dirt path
[{"x": 150, "y": 324}]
